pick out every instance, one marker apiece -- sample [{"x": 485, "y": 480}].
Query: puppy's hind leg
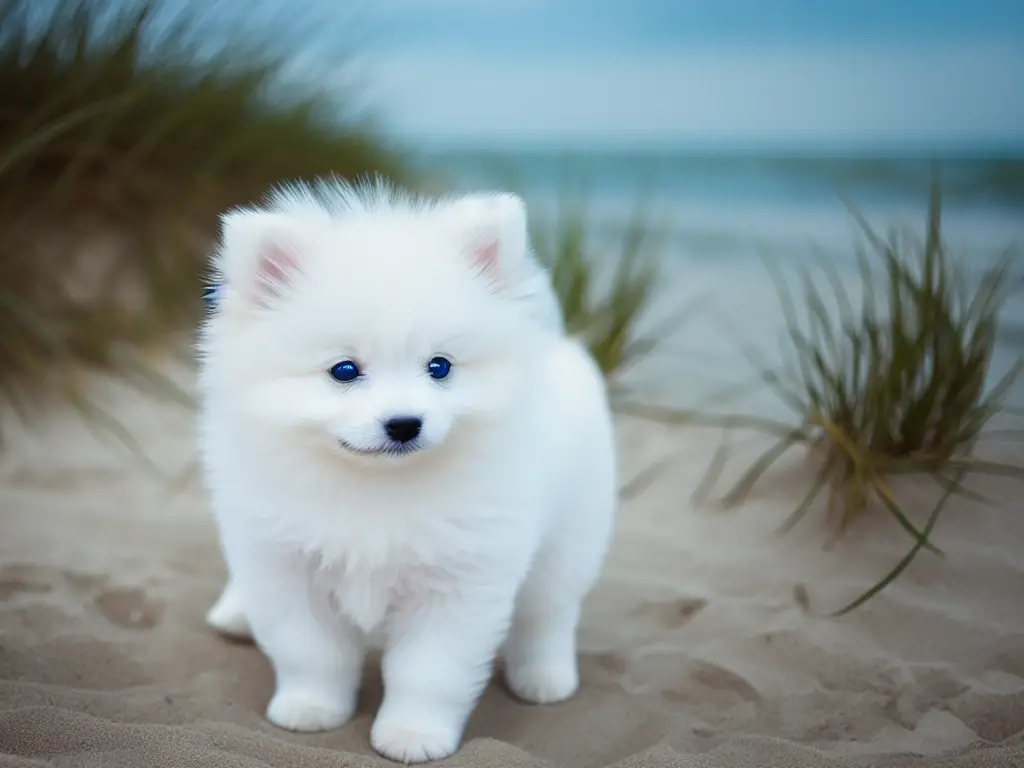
[
  {"x": 227, "y": 615},
  {"x": 540, "y": 651}
]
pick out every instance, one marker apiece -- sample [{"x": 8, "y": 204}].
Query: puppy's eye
[
  {"x": 439, "y": 367},
  {"x": 345, "y": 371},
  {"x": 210, "y": 295}
]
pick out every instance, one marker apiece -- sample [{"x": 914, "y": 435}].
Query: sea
[
  {"x": 724, "y": 216},
  {"x": 716, "y": 200}
]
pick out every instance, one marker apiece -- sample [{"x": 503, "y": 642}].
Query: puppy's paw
[
  {"x": 307, "y": 710},
  {"x": 411, "y": 740},
  {"x": 543, "y": 683},
  {"x": 228, "y": 618}
]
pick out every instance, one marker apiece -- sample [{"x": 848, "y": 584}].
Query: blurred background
[
  {"x": 742, "y": 118},
  {"x": 733, "y": 130}
]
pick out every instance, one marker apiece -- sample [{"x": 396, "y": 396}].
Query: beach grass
[
  {"x": 607, "y": 286},
  {"x": 897, "y": 386},
  {"x": 126, "y": 130},
  {"x": 605, "y": 318}
]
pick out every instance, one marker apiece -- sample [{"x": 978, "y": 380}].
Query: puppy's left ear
[{"x": 492, "y": 231}]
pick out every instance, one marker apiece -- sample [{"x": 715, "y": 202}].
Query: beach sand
[{"x": 706, "y": 644}]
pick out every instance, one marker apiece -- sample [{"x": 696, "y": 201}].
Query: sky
[{"x": 663, "y": 73}]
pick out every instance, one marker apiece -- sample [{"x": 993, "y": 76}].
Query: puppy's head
[{"x": 376, "y": 326}]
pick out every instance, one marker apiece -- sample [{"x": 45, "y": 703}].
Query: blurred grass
[
  {"x": 607, "y": 286},
  {"x": 124, "y": 131},
  {"x": 897, "y": 387},
  {"x": 607, "y": 320}
]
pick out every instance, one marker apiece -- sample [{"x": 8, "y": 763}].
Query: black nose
[{"x": 403, "y": 429}]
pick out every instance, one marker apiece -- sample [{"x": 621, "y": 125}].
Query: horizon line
[{"x": 826, "y": 148}]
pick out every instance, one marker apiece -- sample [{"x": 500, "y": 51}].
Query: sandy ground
[{"x": 707, "y": 643}]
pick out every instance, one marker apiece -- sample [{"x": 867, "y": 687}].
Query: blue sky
[{"x": 675, "y": 72}]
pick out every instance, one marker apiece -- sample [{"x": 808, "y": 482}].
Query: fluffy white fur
[{"x": 488, "y": 534}]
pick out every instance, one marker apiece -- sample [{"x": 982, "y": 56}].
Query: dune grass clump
[
  {"x": 129, "y": 126},
  {"x": 899, "y": 386}
]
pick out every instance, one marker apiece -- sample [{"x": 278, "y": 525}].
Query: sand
[{"x": 706, "y": 644}]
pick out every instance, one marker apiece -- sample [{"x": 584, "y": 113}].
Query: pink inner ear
[
  {"x": 276, "y": 268},
  {"x": 486, "y": 256}
]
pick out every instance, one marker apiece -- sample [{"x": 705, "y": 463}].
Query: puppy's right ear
[{"x": 260, "y": 254}]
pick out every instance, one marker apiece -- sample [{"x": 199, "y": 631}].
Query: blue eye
[
  {"x": 439, "y": 367},
  {"x": 345, "y": 371},
  {"x": 210, "y": 295}
]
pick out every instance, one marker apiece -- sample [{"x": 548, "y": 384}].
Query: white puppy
[{"x": 397, "y": 433}]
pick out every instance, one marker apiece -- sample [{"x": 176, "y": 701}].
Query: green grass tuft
[{"x": 896, "y": 387}]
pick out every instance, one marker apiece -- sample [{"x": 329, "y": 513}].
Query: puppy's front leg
[
  {"x": 436, "y": 663},
  {"x": 316, "y": 655}
]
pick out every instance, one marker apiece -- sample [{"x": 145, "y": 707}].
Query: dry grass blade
[
  {"x": 904, "y": 562},
  {"x": 714, "y": 471},
  {"x": 643, "y": 480}
]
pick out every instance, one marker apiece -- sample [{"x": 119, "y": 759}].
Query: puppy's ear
[
  {"x": 260, "y": 253},
  {"x": 492, "y": 231}
]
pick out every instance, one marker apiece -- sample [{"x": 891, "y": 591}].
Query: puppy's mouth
[{"x": 388, "y": 449}]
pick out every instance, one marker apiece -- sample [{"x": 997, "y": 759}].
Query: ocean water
[
  {"x": 726, "y": 212},
  {"x": 718, "y": 203}
]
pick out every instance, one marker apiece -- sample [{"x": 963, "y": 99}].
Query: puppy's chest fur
[
  {"x": 367, "y": 568},
  {"x": 365, "y": 594},
  {"x": 374, "y": 547}
]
